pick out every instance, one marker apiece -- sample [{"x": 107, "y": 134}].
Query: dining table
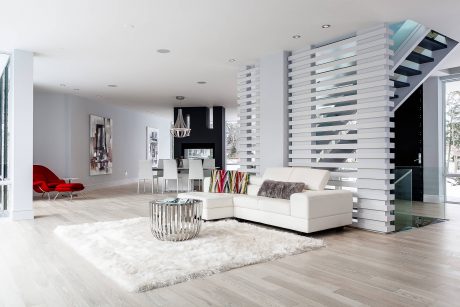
[{"x": 183, "y": 170}]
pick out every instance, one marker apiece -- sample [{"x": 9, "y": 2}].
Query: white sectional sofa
[{"x": 312, "y": 210}]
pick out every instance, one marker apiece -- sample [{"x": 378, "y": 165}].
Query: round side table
[{"x": 175, "y": 219}]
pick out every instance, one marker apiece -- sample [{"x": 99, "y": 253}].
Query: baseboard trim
[
  {"x": 22, "y": 215},
  {"x": 437, "y": 199}
]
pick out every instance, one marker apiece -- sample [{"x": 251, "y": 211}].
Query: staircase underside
[{"x": 427, "y": 53}]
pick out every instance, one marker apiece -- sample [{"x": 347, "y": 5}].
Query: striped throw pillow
[{"x": 223, "y": 181}]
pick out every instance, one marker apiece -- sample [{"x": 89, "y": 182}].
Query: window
[
  {"x": 3, "y": 134},
  {"x": 231, "y": 146}
]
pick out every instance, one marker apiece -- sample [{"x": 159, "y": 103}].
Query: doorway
[{"x": 409, "y": 140}]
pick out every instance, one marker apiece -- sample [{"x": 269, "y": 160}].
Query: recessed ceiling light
[
  {"x": 163, "y": 51},
  {"x": 202, "y": 82},
  {"x": 232, "y": 60},
  {"x": 129, "y": 26},
  {"x": 325, "y": 26},
  {"x": 297, "y": 36},
  {"x": 62, "y": 85},
  {"x": 76, "y": 89},
  {"x": 180, "y": 97},
  {"x": 112, "y": 85}
]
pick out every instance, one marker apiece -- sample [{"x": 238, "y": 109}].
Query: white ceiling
[{"x": 88, "y": 44}]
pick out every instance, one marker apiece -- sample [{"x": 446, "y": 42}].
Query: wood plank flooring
[{"x": 420, "y": 267}]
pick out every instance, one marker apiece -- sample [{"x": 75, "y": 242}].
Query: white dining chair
[
  {"x": 208, "y": 166},
  {"x": 195, "y": 172},
  {"x": 145, "y": 173},
  {"x": 159, "y": 172},
  {"x": 185, "y": 163},
  {"x": 183, "y": 173},
  {"x": 170, "y": 173}
]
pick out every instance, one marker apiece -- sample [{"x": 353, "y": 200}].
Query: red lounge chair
[{"x": 45, "y": 181}]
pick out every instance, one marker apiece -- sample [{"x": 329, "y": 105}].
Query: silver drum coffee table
[{"x": 175, "y": 219}]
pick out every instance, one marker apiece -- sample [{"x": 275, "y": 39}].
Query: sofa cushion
[
  {"x": 256, "y": 180},
  {"x": 316, "y": 204},
  {"x": 277, "y": 173},
  {"x": 314, "y": 179},
  {"x": 275, "y": 205},
  {"x": 253, "y": 189},
  {"x": 69, "y": 187},
  {"x": 280, "y": 189},
  {"x": 210, "y": 200},
  {"x": 246, "y": 201}
]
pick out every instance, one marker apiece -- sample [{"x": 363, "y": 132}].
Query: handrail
[
  {"x": 4, "y": 58},
  {"x": 403, "y": 176}
]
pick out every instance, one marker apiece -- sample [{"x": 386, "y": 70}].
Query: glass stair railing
[{"x": 403, "y": 199}]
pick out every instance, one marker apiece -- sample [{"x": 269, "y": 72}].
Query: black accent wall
[{"x": 201, "y": 136}]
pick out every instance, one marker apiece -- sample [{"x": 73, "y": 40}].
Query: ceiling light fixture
[
  {"x": 232, "y": 60},
  {"x": 325, "y": 26},
  {"x": 180, "y": 129},
  {"x": 62, "y": 85},
  {"x": 202, "y": 82},
  {"x": 112, "y": 85},
  {"x": 297, "y": 36},
  {"x": 76, "y": 89},
  {"x": 163, "y": 51}
]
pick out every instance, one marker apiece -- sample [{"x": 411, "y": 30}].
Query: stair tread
[
  {"x": 419, "y": 58},
  {"x": 399, "y": 84},
  {"x": 432, "y": 44},
  {"x": 407, "y": 71}
]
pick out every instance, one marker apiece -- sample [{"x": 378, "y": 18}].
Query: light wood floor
[{"x": 420, "y": 267}]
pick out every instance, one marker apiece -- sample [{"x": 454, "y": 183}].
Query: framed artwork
[
  {"x": 100, "y": 145},
  {"x": 152, "y": 145}
]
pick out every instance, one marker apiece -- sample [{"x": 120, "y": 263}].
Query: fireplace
[
  {"x": 197, "y": 151},
  {"x": 203, "y": 141}
]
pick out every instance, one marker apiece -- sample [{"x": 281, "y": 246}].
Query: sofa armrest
[{"x": 314, "y": 204}]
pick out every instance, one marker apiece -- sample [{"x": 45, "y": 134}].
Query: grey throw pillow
[{"x": 280, "y": 189}]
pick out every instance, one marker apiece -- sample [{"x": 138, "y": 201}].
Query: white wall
[
  {"x": 274, "y": 145},
  {"x": 61, "y": 137},
  {"x": 21, "y": 123},
  {"x": 433, "y": 183}
]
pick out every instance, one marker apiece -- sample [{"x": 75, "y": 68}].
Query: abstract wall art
[
  {"x": 100, "y": 145},
  {"x": 152, "y": 145}
]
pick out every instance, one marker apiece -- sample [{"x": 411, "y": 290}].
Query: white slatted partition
[
  {"x": 339, "y": 119},
  {"x": 249, "y": 119}
]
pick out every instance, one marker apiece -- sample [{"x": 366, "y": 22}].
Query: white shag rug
[{"x": 128, "y": 253}]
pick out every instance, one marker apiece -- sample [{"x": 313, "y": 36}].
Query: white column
[
  {"x": 21, "y": 135},
  {"x": 433, "y": 181},
  {"x": 274, "y": 146}
]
